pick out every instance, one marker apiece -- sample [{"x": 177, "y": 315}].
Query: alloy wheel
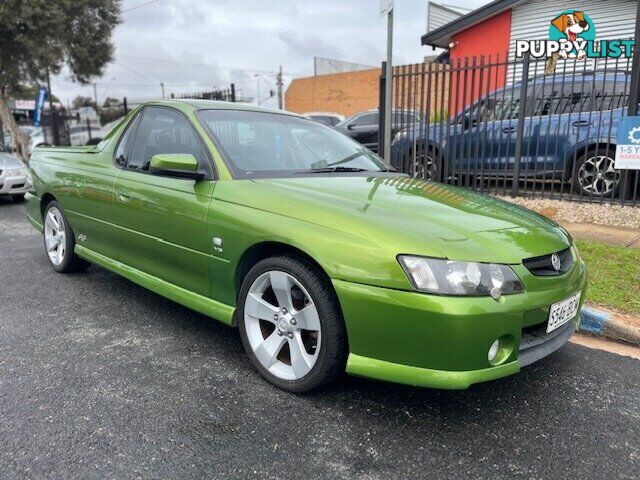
[
  {"x": 55, "y": 236},
  {"x": 424, "y": 166},
  {"x": 598, "y": 176},
  {"x": 282, "y": 325}
]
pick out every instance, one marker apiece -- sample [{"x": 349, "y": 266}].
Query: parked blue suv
[{"x": 568, "y": 135}]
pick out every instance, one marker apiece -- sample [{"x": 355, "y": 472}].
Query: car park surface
[{"x": 102, "y": 378}]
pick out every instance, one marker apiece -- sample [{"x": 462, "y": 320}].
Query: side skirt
[{"x": 219, "y": 311}]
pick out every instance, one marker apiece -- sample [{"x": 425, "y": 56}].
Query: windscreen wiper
[{"x": 335, "y": 169}]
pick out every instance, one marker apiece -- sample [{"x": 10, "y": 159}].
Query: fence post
[
  {"x": 520, "y": 128},
  {"x": 381, "y": 108},
  {"x": 233, "y": 92},
  {"x": 634, "y": 98},
  {"x": 124, "y": 102},
  {"x": 89, "y": 128}
]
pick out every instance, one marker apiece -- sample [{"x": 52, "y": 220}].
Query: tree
[
  {"x": 38, "y": 37},
  {"x": 111, "y": 102},
  {"x": 81, "y": 101},
  {"x": 29, "y": 92}
]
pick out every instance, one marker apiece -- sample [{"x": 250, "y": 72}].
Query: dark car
[
  {"x": 569, "y": 134},
  {"x": 364, "y": 126}
]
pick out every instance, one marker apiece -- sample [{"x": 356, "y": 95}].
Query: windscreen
[{"x": 263, "y": 144}]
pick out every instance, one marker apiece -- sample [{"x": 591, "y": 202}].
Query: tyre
[
  {"x": 18, "y": 198},
  {"x": 594, "y": 173},
  {"x": 425, "y": 164},
  {"x": 291, "y": 324},
  {"x": 59, "y": 241}
]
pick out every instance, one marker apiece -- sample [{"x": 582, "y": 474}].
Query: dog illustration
[{"x": 572, "y": 25}]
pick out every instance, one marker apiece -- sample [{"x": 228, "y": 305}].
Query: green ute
[{"x": 324, "y": 257}]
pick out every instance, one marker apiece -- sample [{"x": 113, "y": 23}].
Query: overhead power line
[{"x": 138, "y": 6}]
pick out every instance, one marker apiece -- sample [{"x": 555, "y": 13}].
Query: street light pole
[
  {"x": 388, "y": 86},
  {"x": 280, "y": 82}
]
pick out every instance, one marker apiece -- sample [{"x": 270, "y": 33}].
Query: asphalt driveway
[{"x": 101, "y": 378}]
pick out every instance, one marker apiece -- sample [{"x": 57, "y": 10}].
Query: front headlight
[
  {"x": 16, "y": 172},
  {"x": 449, "y": 277}
]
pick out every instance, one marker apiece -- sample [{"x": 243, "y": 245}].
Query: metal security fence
[{"x": 535, "y": 127}]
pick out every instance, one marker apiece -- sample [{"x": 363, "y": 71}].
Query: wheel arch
[
  {"x": 266, "y": 249},
  {"x": 45, "y": 200}
]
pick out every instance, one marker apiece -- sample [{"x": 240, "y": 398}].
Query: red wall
[{"x": 490, "y": 37}]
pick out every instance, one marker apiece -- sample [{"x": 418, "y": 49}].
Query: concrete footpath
[{"x": 622, "y": 236}]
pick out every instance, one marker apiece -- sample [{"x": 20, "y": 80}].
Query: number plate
[{"x": 562, "y": 312}]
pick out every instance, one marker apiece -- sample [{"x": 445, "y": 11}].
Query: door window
[
  {"x": 164, "y": 130},
  {"x": 124, "y": 146},
  {"x": 366, "y": 120}
]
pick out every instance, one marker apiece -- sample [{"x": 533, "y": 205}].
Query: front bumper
[
  {"x": 14, "y": 185},
  {"x": 442, "y": 342}
]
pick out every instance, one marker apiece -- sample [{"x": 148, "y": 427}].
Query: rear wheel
[
  {"x": 59, "y": 241},
  {"x": 595, "y": 174},
  {"x": 425, "y": 164},
  {"x": 291, "y": 325}
]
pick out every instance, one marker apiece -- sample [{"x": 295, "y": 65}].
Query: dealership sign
[
  {"x": 572, "y": 34},
  {"x": 628, "y": 149},
  {"x": 38, "y": 106}
]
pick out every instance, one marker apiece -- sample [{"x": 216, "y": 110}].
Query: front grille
[
  {"x": 542, "y": 266},
  {"x": 536, "y": 343},
  {"x": 19, "y": 185}
]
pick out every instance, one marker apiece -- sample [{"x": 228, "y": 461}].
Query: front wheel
[
  {"x": 59, "y": 241},
  {"x": 291, "y": 325}
]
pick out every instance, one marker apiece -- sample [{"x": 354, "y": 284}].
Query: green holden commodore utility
[{"x": 323, "y": 256}]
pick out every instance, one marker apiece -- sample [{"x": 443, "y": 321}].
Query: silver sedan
[{"x": 13, "y": 176}]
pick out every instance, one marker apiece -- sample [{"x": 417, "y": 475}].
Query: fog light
[{"x": 493, "y": 351}]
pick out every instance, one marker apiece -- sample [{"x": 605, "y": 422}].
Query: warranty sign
[{"x": 628, "y": 149}]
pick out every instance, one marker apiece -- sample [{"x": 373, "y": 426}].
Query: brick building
[{"x": 345, "y": 93}]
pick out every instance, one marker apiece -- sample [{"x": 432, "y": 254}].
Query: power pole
[
  {"x": 54, "y": 120},
  {"x": 388, "y": 9},
  {"x": 279, "y": 83},
  {"x": 162, "y": 88},
  {"x": 95, "y": 93}
]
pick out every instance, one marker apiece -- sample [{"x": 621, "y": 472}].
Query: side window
[
  {"x": 124, "y": 147},
  {"x": 164, "y": 130},
  {"x": 366, "y": 120}
]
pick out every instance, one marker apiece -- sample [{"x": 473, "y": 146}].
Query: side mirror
[
  {"x": 178, "y": 165},
  {"x": 469, "y": 120},
  {"x": 350, "y": 126}
]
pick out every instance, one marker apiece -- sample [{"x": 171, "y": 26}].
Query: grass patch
[{"x": 614, "y": 275}]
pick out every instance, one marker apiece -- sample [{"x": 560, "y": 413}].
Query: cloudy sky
[{"x": 193, "y": 45}]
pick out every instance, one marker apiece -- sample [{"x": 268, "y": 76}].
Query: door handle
[
  {"x": 581, "y": 123},
  {"x": 123, "y": 197},
  {"x": 510, "y": 129}
]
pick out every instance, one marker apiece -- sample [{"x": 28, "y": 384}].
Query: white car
[
  {"x": 327, "y": 118},
  {"x": 14, "y": 176}
]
